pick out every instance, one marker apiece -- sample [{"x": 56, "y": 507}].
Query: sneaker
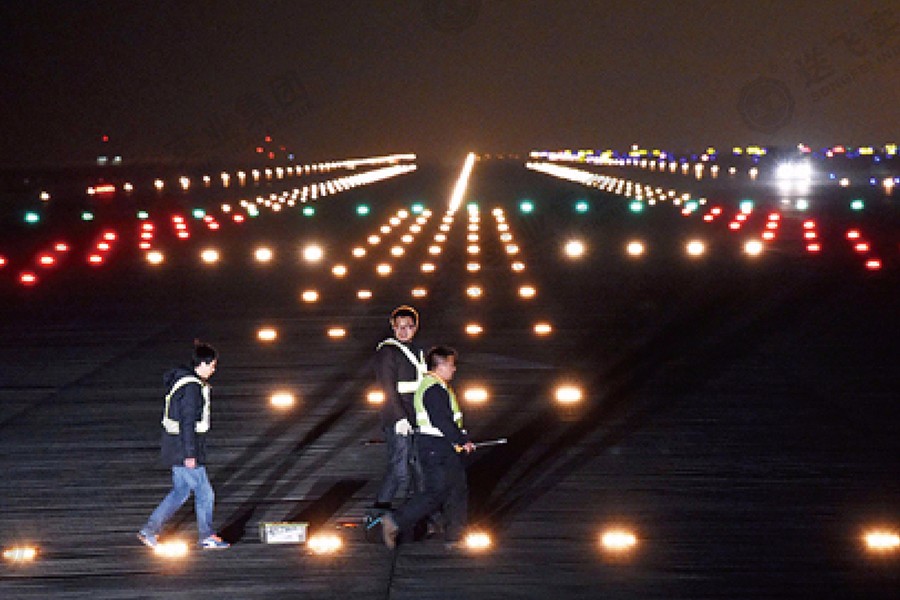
[
  {"x": 389, "y": 530},
  {"x": 148, "y": 539},
  {"x": 214, "y": 542}
]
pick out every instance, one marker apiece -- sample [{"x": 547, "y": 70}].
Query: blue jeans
[
  {"x": 397, "y": 475},
  {"x": 185, "y": 481}
]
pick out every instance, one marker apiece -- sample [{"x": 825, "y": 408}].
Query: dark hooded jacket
[{"x": 186, "y": 407}]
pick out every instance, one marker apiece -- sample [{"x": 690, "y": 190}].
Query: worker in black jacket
[
  {"x": 399, "y": 366},
  {"x": 185, "y": 421}
]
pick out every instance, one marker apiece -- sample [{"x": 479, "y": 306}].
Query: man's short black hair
[
  {"x": 203, "y": 354},
  {"x": 405, "y": 311},
  {"x": 439, "y": 354}
]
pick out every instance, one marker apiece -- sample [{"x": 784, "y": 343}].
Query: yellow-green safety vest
[
  {"x": 171, "y": 425},
  {"x": 408, "y": 387},
  {"x": 423, "y": 422}
]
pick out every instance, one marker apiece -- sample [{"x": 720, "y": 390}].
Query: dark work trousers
[
  {"x": 444, "y": 485},
  {"x": 398, "y": 473}
]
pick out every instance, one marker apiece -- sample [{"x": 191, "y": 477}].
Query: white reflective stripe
[
  {"x": 172, "y": 426},
  {"x": 430, "y": 430},
  {"x": 457, "y": 417},
  {"x": 407, "y": 387}
]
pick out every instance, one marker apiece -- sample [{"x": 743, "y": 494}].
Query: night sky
[{"x": 205, "y": 81}]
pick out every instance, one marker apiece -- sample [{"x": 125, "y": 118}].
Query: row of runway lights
[
  {"x": 614, "y": 540},
  {"x": 102, "y": 247},
  {"x": 752, "y": 247}
]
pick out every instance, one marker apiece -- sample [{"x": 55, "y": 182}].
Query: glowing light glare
[
  {"x": 359, "y": 252},
  {"x": 313, "y": 253},
  {"x": 882, "y": 541},
  {"x": 397, "y": 251},
  {"x": 209, "y": 255},
  {"x": 695, "y": 248},
  {"x": 324, "y": 543},
  {"x": 309, "y": 296},
  {"x": 282, "y": 400},
  {"x": 618, "y": 540},
  {"x": 172, "y": 549},
  {"x": 527, "y": 291},
  {"x": 474, "y": 291},
  {"x": 364, "y": 294},
  {"x": 419, "y": 292},
  {"x": 155, "y": 257},
  {"x": 753, "y": 247},
  {"x": 474, "y": 329},
  {"x": 518, "y": 266},
  {"x": 336, "y": 333},
  {"x": 574, "y": 248},
  {"x": 339, "y": 271},
  {"x": 383, "y": 269},
  {"x": 267, "y": 334},
  {"x": 427, "y": 267},
  {"x": 477, "y": 541},
  {"x": 635, "y": 248},
  {"x": 543, "y": 328},
  {"x": 20, "y": 554},
  {"x": 475, "y": 394},
  {"x": 28, "y": 278},
  {"x": 568, "y": 394},
  {"x": 462, "y": 182},
  {"x": 263, "y": 254},
  {"x": 375, "y": 397}
]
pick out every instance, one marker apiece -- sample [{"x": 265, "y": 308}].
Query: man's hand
[
  {"x": 402, "y": 427},
  {"x": 190, "y": 463}
]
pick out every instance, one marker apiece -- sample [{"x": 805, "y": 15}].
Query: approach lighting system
[
  {"x": 574, "y": 249},
  {"x": 794, "y": 178}
]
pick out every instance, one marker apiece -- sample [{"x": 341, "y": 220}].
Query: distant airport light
[
  {"x": 543, "y": 328},
  {"x": 46, "y": 260},
  {"x": 309, "y": 296},
  {"x": 397, "y": 251},
  {"x": 635, "y": 248},
  {"x": 857, "y": 204},
  {"x": 263, "y": 254},
  {"x": 753, "y": 247},
  {"x": 20, "y": 554},
  {"x": 474, "y": 291},
  {"x": 339, "y": 271},
  {"x": 882, "y": 541},
  {"x": 383, "y": 269},
  {"x": 636, "y": 206},
  {"x": 282, "y": 400},
  {"x": 527, "y": 291},
  {"x": 267, "y": 334},
  {"x": 427, "y": 267},
  {"x": 155, "y": 257},
  {"x": 618, "y": 540},
  {"x": 209, "y": 256},
  {"x": 362, "y": 210},
  {"x": 87, "y": 215},
  {"x": 434, "y": 250},
  {"x": 158, "y": 184},
  {"x": 853, "y": 234},
  {"x": 473, "y": 249},
  {"x": 861, "y": 247},
  {"x": 385, "y": 229},
  {"x": 27, "y": 278},
  {"x": 475, "y": 394},
  {"x": 313, "y": 253},
  {"x": 336, "y": 333},
  {"x": 32, "y": 217},
  {"x": 419, "y": 292},
  {"x": 174, "y": 549},
  {"x": 324, "y": 543},
  {"x": 364, "y": 294},
  {"x": 359, "y": 252},
  {"x": 568, "y": 394},
  {"x": 473, "y": 267},
  {"x": 582, "y": 206},
  {"x": 375, "y": 397},
  {"x": 308, "y": 211},
  {"x": 695, "y": 248},
  {"x": 440, "y": 238},
  {"x": 517, "y": 266},
  {"x": 526, "y": 207},
  {"x": 873, "y": 264},
  {"x": 474, "y": 329},
  {"x": 814, "y": 247},
  {"x": 574, "y": 248},
  {"x": 95, "y": 260},
  {"x": 3, "y": 261},
  {"x": 477, "y": 541}
]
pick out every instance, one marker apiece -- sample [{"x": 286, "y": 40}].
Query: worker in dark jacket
[
  {"x": 399, "y": 366},
  {"x": 440, "y": 443},
  {"x": 185, "y": 422}
]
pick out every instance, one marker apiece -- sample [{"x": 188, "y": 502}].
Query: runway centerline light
[
  {"x": 568, "y": 394},
  {"x": 336, "y": 333},
  {"x": 309, "y": 296},
  {"x": 695, "y": 248},
  {"x": 574, "y": 248},
  {"x": 324, "y": 543},
  {"x": 474, "y": 329},
  {"x": 313, "y": 253},
  {"x": 20, "y": 554},
  {"x": 882, "y": 541},
  {"x": 478, "y": 541},
  {"x": 209, "y": 256},
  {"x": 155, "y": 257},
  {"x": 173, "y": 549},
  {"x": 282, "y": 400},
  {"x": 618, "y": 540},
  {"x": 375, "y": 397},
  {"x": 543, "y": 328},
  {"x": 263, "y": 254},
  {"x": 267, "y": 334}
]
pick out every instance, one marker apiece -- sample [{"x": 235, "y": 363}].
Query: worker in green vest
[{"x": 441, "y": 441}]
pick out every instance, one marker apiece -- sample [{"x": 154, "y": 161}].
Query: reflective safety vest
[
  {"x": 172, "y": 426},
  {"x": 408, "y": 387},
  {"x": 423, "y": 422}
]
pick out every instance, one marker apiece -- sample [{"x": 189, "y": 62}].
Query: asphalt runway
[{"x": 738, "y": 413}]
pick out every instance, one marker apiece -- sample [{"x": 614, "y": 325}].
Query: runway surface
[{"x": 738, "y": 412}]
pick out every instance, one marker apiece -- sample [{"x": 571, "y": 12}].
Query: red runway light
[
  {"x": 46, "y": 260},
  {"x": 27, "y": 278},
  {"x": 861, "y": 247},
  {"x": 853, "y": 234},
  {"x": 95, "y": 260},
  {"x": 873, "y": 264},
  {"x": 110, "y": 236},
  {"x": 2, "y": 261},
  {"x": 61, "y": 247}
]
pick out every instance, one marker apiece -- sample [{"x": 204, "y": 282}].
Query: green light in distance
[
  {"x": 87, "y": 216},
  {"x": 417, "y": 208},
  {"x": 582, "y": 206},
  {"x": 362, "y": 209},
  {"x": 198, "y": 213},
  {"x": 636, "y": 206},
  {"x": 857, "y": 204},
  {"x": 308, "y": 211},
  {"x": 143, "y": 215},
  {"x": 526, "y": 206},
  {"x": 32, "y": 217}
]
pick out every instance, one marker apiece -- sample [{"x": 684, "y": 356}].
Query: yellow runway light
[
  {"x": 282, "y": 400},
  {"x": 324, "y": 543},
  {"x": 20, "y": 554},
  {"x": 267, "y": 334},
  {"x": 173, "y": 549}
]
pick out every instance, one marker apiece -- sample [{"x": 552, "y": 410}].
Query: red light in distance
[{"x": 27, "y": 278}]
